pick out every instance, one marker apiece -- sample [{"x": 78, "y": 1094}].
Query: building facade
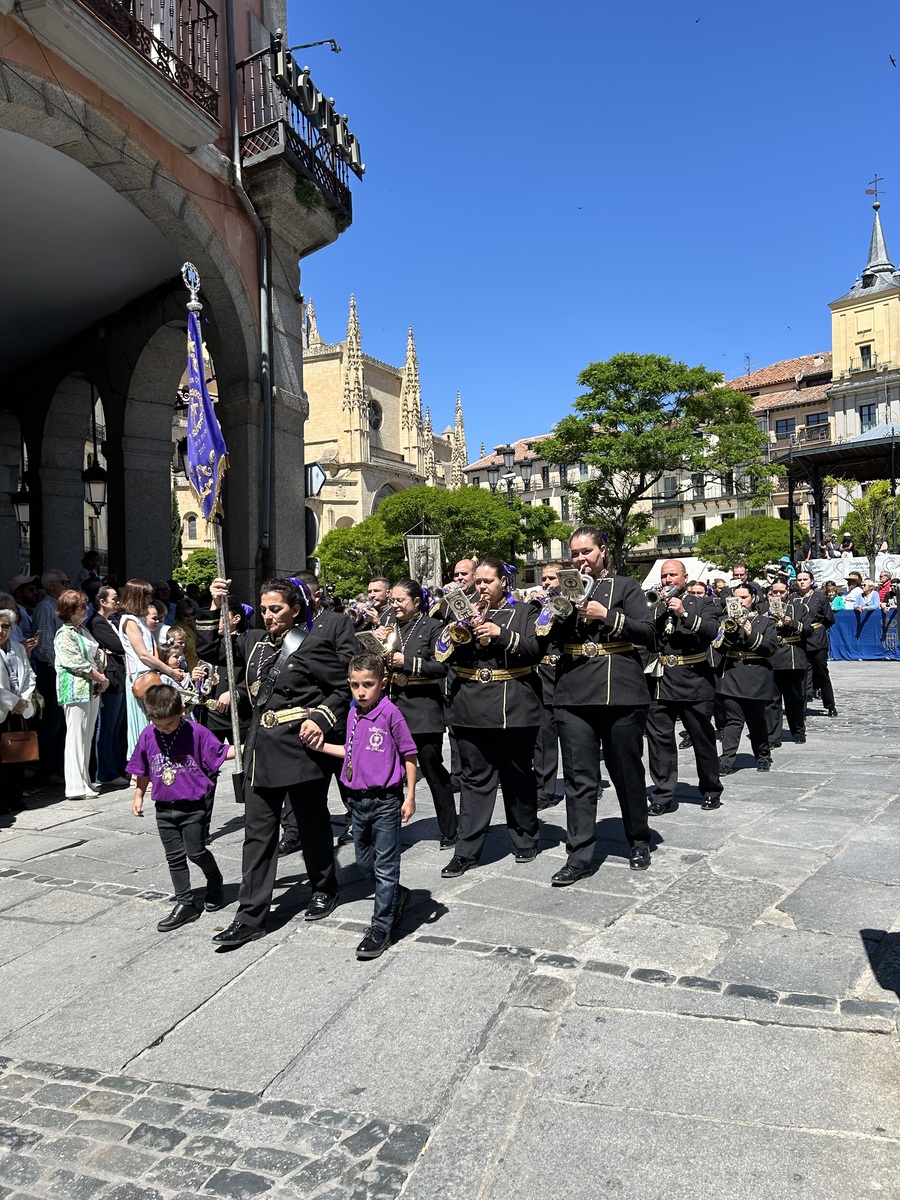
[
  {"x": 367, "y": 429},
  {"x": 136, "y": 137}
]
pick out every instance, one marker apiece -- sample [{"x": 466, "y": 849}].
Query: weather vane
[{"x": 873, "y": 189}]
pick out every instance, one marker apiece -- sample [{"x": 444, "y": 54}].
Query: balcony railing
[
  {"x": 272, "y": 123},
  {"x": 807, "y": 435},
  {"x": 177, "y": 37},
  {"x": 858, "y": 365},
  {"x": 668, "y": 541}
]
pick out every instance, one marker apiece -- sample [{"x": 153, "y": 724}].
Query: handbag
[
  {"x": 19, "y": 746},
  {"x": 143, "y": 683}
]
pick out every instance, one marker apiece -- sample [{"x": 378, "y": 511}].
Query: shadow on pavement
[{"x": 883, "y": 950}]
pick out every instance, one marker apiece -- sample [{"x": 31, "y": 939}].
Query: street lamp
[
  {"x": 508, "y": 454},
  {"x": 21, "y": 502},
  {"x": 94, "y": 477},
  {"x": 526, "y": 467}
]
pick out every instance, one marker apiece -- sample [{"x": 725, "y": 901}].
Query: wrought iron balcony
[
  {"x": 176, "y": 91},
  {"x": 808, "y": 435},
  {"x": 668, "y": 541},
  {"x": 178, "y": 37},
  {"x": 281, "y": 113}
]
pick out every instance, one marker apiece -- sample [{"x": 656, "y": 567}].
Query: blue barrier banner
[{"x": 861, "y": 636}]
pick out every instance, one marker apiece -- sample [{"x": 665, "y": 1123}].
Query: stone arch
[
  {"x": 344, "y": 523},
  {"x": 382, "y": 494},
  {"x": 11, "y": 559}
]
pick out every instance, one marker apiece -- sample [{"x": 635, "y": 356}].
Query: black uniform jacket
[
  {"x": 597, "y": 678},
  {"x": 747, "y": 661},
  {"x": 821, "y": 616},
  {"x": 314, "y": 677},
  {"x": 686, "y": 683},
  {"x": 499, "y": 703},
  {"x": 108, "y": 639},
  {"x": 790, "y": 655},
  {"x": 417, "y": 688}
]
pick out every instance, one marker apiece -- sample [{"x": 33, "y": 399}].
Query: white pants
[{"x": 81, "y": 720}]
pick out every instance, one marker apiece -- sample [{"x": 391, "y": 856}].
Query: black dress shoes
[
  {"x": 458, "y": 866},
  {"x": 686, "y": 742},
  {"x": 710, "y": 801},
  {"x": 373, "y": 944},
  {"x": 763, "y": 764},
  {"x": 548, "y": 802},
  {"x": 658, "y": 807},
  {"x": 345, "y": 838},
  {"x": 775, "y": 745},
  {"x": 832, "y": 712},
  {"x": 526, "y": 854},
  {"x": 725, "y": 770},
  {"x": 799, "y": 739},
  {"x": 237, "y": 933},
  {"x": 567, "y": 875},
  {"x": 181, "y": 914},
  {"x": 447, "y": 843},
  {"x": 321, "y": 905},
  {"x": 639, "y": 858},
  {"x": 215, "y": 896},
  {"x": 286, "y": 846}
]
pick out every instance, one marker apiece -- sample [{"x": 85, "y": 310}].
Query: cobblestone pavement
[{"x": 724, "y": 1023}]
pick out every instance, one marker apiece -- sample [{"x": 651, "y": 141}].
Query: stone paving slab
[
  {"x": 726, "y": 1071},
  {"x": 590, "y": 1152}
]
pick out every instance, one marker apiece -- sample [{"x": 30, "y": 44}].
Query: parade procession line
[{"x": 723, "y": 1023}]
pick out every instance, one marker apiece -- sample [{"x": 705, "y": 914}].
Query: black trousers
[
  {"x": 620, "y": 733},
  {"x": 455, "y": 764},
  {"x": 262, "y": 811},
  {"x": 183, "y": 826},
  {"x": 662, "y": 749},
  {"x": 489, "y": 757},
  {"x": 51, "y": 726},
  {"x": 546, "y": 756},
  {"x": 818, "y": 661},
  {"x": 431, "y": 763},
  {"x": 792, "y": 693},
  {"x": 290, "y": 829},
  {"x": 736, "y": 713}
]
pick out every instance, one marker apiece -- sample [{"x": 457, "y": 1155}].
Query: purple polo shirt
[
  {"x": 376, "y": 743},
  {"x": 194, "y": 753}
]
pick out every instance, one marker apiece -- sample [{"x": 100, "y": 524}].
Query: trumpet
[
  {"x": 462, "y": 632},
  {"x": 364, "y": 616},
  {"x": 384, "y": 646},
  {"x": 734, "y": 614}
]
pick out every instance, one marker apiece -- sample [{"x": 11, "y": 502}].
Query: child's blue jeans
[{"x": 376, "y": 836}]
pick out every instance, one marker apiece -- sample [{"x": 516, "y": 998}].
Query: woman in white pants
[{"x": 80, "y": 681}]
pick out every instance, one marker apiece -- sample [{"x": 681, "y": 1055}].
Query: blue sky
[{"x": 550, "y": 185}]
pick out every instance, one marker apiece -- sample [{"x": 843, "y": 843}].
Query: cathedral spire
[
  {"x": 313, "y": 337},
  {"x": 356, "y": 421},
  {"x": 411, "y": 409},
  {"x": 459, "y": 458},
  {"x": 429, "y": 465}
]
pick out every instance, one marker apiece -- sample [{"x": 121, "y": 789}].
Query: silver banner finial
[{"x": 191, "y": 277}]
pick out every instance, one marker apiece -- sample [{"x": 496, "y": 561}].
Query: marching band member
[
  {"x": 298, "y": 688},
  {"x": 684, "y": 687},
  {"x": 546, "y": 750},
  {"x": 789, "y": 662},
  {"x": 746, "y": 685},
  {"x": 815, "y": 643},
  {"x": 495, "y": 711},
  {"x": 601, "y": 700},
  {"x": 416, "y": 686}
]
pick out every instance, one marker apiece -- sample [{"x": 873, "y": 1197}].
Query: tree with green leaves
[
  {"x": 468, "y": 520},
  {"x": 643, "y": 417},
  {"x": 755, "y": 541},
  {"x": 870, "y": 521},
  {"x": 199, "y": 567}
]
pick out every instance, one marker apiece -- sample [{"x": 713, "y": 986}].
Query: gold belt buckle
[
  {"x": 401, "y": 679},
  {"x": 779, "y": 639},
  {"x": 485, "y": 675},
  {"x": 552, "y": 660},
  {"x": 269, "y": 719},
  {"x": 591, "y": 649},
  {"x": 671, "y": 660}
]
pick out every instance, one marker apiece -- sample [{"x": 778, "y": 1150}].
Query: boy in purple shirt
[
  {"x": 181, "y": 759},
  {"x": 379, "y": 756}
]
